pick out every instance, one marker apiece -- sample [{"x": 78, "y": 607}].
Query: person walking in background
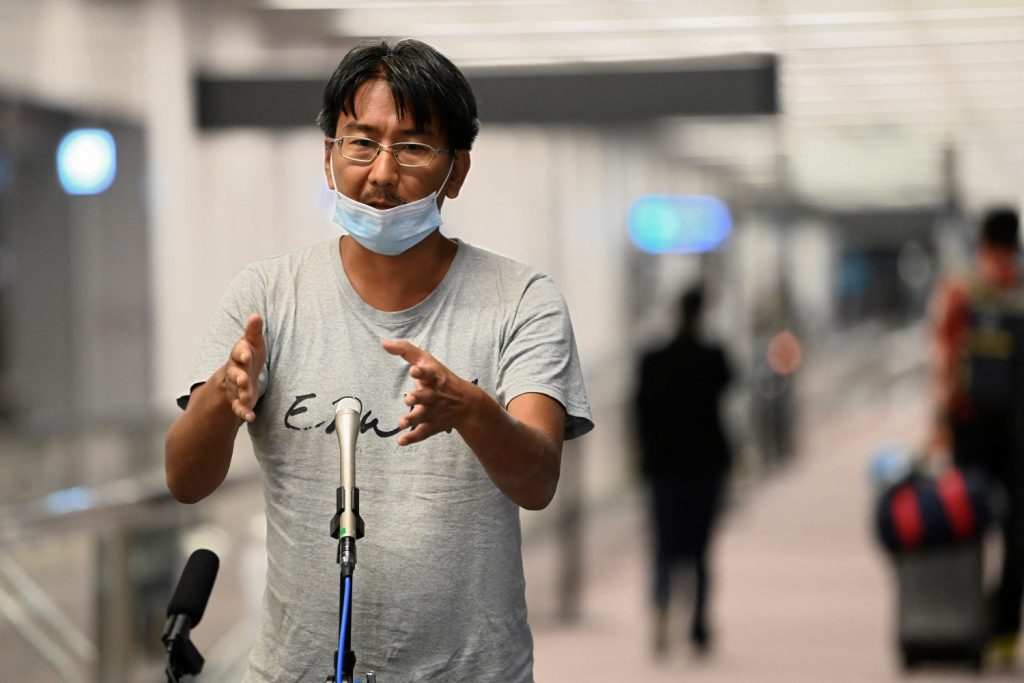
[
  {"x": 978, "y": 330},
  {"x": 685, "y": 460}
]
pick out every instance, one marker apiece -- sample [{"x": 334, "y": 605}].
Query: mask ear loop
[
  {"x": 334, "y": 180},
  {"x": 446, "y": 177}
]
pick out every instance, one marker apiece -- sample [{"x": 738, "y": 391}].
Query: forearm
[
  {"x": 523, "y": 461},
  {"x": 199, "y": 444}
]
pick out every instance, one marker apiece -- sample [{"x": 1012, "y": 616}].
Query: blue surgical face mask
[{"x": 389, "y": 231}]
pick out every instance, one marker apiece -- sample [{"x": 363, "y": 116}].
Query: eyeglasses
[{"x": 365, "y": 150}]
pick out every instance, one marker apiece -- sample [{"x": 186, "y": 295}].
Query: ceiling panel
[{"x": 872, "y": 92}]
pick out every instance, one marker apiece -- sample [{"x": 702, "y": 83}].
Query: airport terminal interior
[{"x": 817, "y": 167}]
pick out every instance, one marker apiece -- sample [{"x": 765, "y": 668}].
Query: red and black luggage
[{"x": 933, "y": 525}]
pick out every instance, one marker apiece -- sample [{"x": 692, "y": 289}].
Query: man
[
  {"x": 685, "y": 458},
  {"x": 979, "y": 349},
  {"x": 466, "y": 369}
]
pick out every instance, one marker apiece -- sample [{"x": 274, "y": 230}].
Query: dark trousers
[
  {"x": 1011, "y": 587},
  {"x": 994, "y": 444},
  {"x": 683, "y": 516}
]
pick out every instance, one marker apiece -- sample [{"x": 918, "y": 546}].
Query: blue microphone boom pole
[{"x": 346, "y": 526}]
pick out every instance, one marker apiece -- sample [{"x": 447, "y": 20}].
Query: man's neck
[{"x": 395, "y": 283}]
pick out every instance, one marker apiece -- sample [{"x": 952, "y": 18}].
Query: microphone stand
[{"x": 346, "y": 526}]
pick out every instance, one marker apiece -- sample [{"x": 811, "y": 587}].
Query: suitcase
[{"x": 942, "y": 613}]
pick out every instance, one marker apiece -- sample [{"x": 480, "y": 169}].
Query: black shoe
[{"x": 701, "y": 639}]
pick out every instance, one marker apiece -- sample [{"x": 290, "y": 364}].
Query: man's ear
[
  {"x": 459, "y": 172},
  {"x": 328, "y": 148}
]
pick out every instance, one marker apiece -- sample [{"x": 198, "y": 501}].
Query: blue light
[
  {"x": 87, "y": 161},
  {"x": 73, "y": 499},
  {"x": 679, "y": 224}
]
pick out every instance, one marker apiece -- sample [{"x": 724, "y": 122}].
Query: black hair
[
  {"x": 1001, "y": 228},
  {"x": 422, "y": 81}
]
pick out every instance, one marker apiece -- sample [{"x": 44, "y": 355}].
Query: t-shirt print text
[{"x": 298, "y": 415}]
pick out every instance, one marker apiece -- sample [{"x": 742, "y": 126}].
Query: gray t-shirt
[{"x": 438, "y": 591}]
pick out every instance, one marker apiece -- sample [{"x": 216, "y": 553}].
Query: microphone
[
  {"x": 184, "y": 612},
  {"x": 347, "y": 525},
  {"x": 194, "y": 586},
  {"x": 346, "y": 425}
]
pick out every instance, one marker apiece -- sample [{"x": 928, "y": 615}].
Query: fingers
[
  {"x": 242, "y": 370},
  {"x": 254, "y": 330},
  {"x": 239, "y": 390},
  {"x": 412, "y": 418},
  {"x": 420, "y": 397},
  {"x": 241, "y": 352},
  {"x": 240, "y": 399},
  {"x": 241, "y": 411},
  {"x": 234, "y": 375},
  {"x": 425, "y": 377},
  {"x": 421, "y": 373},
  {"x": 424, "y": 367},
  {"x": 408, "y": 352},
  {"x": 251, "y": 344},
  {"x": 416, "y": 424},
  {"x": 419, "y": 433},
  {"x": 430, "y": 407}
]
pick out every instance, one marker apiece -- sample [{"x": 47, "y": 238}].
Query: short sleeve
[
  {"x": 244, "y": 296},
  {"x": 538, "y": 355}
]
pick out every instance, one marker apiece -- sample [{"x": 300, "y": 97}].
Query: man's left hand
[{"x": 440, "y": 400}]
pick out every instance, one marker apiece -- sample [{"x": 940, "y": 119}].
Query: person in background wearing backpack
[{"x": 979, "y": 340}]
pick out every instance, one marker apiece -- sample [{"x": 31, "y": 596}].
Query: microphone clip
[
  {"x": 347, "y": 537},
  {"x": 183, "y": 659},
  {"x": 336, "y": 530}
]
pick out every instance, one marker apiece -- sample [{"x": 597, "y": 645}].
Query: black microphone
[
  {"x": 194, "y": 586},
  {"x": 184, "y": 612}
]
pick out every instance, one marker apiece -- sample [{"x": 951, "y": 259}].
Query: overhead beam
[{"x": 613, "y": 95}]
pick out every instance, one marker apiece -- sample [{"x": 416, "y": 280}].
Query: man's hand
[
  {"x": 520, "y": 448},
  {"x": 242, "y": 371},
  {"x": 441, "y": 397}
]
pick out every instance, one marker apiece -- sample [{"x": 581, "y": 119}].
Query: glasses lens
[
  {"x": 413, "y": 153},
  {"x": 358, "y": 149}
]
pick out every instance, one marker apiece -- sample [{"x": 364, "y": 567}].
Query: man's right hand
[{"x": 240, "y": 383}]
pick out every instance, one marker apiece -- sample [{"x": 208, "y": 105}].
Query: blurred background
[{"x": 847, "y": 149}]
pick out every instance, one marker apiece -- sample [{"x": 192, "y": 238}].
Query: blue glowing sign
[
  {"x": 73, "y": 499},
  {"x": 679, "y": 224},
  {"x": 87, "y": 161}
]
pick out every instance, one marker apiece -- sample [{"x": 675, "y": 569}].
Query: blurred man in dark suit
[{"x": 685, "y": 459}]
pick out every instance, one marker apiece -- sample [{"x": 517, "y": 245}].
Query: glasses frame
[{"x": 391, "y": 148}]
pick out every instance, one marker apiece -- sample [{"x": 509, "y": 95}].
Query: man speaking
[{"x": 464, "y": 364}]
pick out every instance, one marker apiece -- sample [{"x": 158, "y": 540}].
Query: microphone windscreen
[
  {"x": 348, "y": 403},
  {"x": 194, "y": 586}
]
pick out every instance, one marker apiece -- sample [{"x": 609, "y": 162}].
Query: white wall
[{"x": 73, "y": 53}]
